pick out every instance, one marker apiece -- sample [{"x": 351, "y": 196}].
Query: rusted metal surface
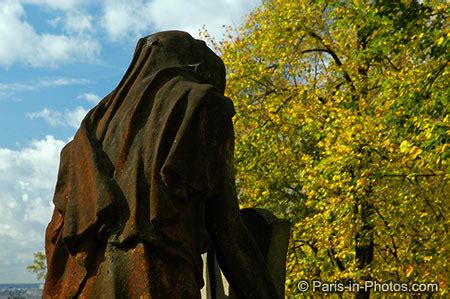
[{"x": 146, "y": 185}]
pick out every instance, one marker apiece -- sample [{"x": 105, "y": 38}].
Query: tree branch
[
  {"x": 412, "y": 175},
  {"x": 392, "y": 64},
  {"x": 334, "y": 56},
  {"x": 394, "y": 251}
]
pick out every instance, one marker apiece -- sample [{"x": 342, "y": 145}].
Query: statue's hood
[{"x": 169, "y": 49}]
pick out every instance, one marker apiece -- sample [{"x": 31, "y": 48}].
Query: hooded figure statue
[{"x": 147, "y": 185}]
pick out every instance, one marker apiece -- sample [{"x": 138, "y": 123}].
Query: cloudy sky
[{"x": 58, "y": 58}]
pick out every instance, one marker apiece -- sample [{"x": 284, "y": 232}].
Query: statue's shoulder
[
  {"x": 182, "y": 78},
  {"x": 178, "y": 82}
]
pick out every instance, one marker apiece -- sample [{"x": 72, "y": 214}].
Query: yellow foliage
[{"x": 342, "y": 128}]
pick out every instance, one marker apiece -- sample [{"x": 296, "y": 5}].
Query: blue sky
[{"x": 58, "y": 58}]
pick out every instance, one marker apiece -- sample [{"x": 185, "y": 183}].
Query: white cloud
[
  {"x": 54, "y": 118},
  {"x": 55, "y": 21},
  {"x": 192, "y": 15},
  {"x": 90, "y": 97},
  {"x": 74, "y": 22},
  {"x": 131, "y": 19},
  {"x": 68, "y": 118},
  {"x": 74, "y": 117},
  {"x": 57, "y": 4},
  {"x": 122, "y": 19},
  {"x": 78, "y": 22},
  {"x": 49, "y": 82},
  {"x": 27, "y": 184},
  {"x": 21, "y": 42},
  {"x": 41, "y": 83}
]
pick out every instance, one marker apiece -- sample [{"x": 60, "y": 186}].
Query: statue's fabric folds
[{"x": 133, "y": 182}]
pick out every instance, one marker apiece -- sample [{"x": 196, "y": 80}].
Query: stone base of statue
[{"x": 272, "y": 236}]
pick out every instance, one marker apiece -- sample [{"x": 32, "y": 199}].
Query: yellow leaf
[
  {"x": 415, "y": 151},
  {"x": 404, "y": 146}
]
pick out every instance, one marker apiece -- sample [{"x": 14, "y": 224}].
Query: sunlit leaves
[
  {"x": 39, "y": 266},
  {"x": 342, "y": 127}
]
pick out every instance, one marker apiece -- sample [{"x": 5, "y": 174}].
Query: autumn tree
[
  {"x": 342, "y": 128},
  {"x": 39, "y": 266}
]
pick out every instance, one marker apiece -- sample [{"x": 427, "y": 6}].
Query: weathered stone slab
[{"x": 271, "y": 235}]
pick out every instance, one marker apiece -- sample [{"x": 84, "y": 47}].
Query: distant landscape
[{"x": 25, "y": 291}]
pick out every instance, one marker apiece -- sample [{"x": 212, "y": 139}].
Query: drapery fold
[{"x": 139, "y": 169}]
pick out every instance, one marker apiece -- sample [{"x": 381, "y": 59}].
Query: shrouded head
[{"x": 179, "y": 49}]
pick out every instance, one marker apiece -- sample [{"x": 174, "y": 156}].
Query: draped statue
[{"x": 147, "y": 185}]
